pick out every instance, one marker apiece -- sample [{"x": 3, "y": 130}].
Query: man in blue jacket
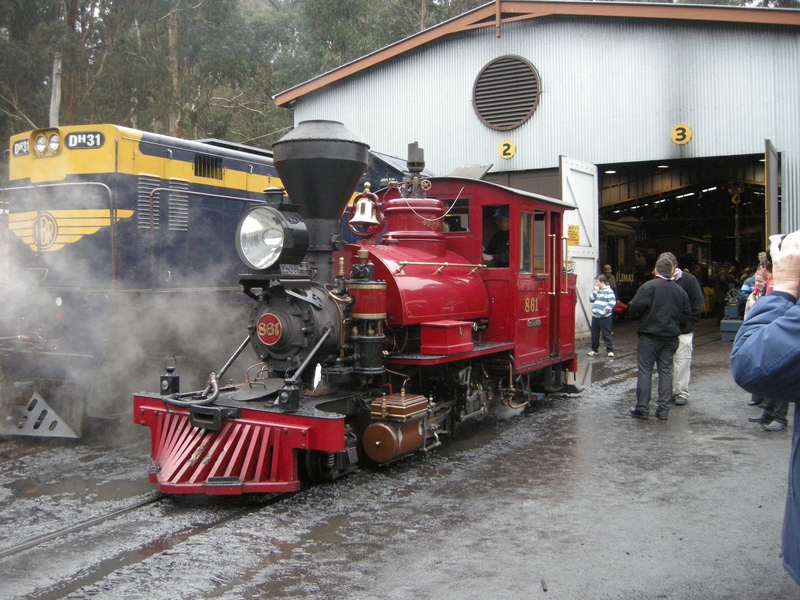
[
  {"x": 766, "y": 360},
  {"x": 666, "y": 314}
]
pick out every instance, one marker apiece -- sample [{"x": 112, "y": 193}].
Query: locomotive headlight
[
  {"x": 54, "y": 143},
  {"x": 266, "y": 237},
  {"x": 40, "y": 145}
]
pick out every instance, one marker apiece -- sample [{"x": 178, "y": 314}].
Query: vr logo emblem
[{"x": 45, "y": 230}]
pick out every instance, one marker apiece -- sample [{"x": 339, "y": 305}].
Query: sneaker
[
  {"x": 635, "y": 412},
  {"x": 610, "y": 355},
  {"x": 775, "y": 426},
  {"x": 591, "y": 353},
  {"x": 662, "y": 415},
  {"x": 679, "y": 401},
  {"x": 761, "y": 419}
]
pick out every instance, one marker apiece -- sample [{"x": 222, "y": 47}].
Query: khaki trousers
[{"x": 681, "y": 364}]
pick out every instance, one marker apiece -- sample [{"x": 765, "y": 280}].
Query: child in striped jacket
[{"x": 603, "y": 301}]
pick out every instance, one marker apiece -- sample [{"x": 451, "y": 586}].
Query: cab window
[
  {"x": 539, "y": 242},
  {"x": 526, "y": 243},
  {"x": 496, "y": 224},
  {"x": 456, "y": 217}
]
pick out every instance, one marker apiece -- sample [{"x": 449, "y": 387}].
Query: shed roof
[{"x": 495, "y": 14}]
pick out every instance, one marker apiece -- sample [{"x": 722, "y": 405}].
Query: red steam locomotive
[{"x": 374, "y": 350}]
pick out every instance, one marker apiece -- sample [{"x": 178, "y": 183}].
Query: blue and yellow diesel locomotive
[{"x": 114, "y": 250}]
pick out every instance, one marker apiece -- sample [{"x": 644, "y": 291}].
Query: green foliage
[{"x": 119, "y": 66}]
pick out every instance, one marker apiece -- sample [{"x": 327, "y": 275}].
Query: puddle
[{"x": 81, "y": 488}]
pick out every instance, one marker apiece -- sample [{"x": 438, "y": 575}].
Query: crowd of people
[
  {"x": 666, "y": 329},
  {"x": 765, "y": 359},
  {"x": 669, "y": 306}
]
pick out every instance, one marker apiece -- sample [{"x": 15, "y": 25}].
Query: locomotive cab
[{"x": 530, "y": 296}]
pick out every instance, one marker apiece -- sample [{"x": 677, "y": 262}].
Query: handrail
[
  {"x": 187, "y": 193},
  {"x": 442, "y": 266},
  {"x": 553, "y": 258}
]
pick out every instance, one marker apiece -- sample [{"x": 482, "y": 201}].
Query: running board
[{"x": 37, "y": 418}]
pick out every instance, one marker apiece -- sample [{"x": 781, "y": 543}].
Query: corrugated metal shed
[{"x": 612, "y": 89}]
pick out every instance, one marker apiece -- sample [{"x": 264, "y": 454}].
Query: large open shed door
[
  {"x": 771, "y": 218},
  {"x": 579, "y": 188}
]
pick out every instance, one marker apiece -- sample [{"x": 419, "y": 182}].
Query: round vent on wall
[{"x": 506, "y": 92}]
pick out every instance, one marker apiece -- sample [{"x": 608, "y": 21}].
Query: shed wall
[{"x": 612, "y": 89}]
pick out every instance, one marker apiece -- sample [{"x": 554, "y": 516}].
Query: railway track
[
  {"x": 181, "y": 521},
  {"x": 156, "y": 497},
  {"x": 35, "y": 541},
  {"x": 119, "y": 557}
]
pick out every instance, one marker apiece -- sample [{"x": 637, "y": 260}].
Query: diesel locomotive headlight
[
  {"x": 266, "y": 237},
  {"x": 54, "y": 143},
  {"x": 40, "y": 145}
]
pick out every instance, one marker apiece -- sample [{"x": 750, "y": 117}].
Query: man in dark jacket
[
  {"x": 666, "y": 314},
  {"x": 682, "y": 361},
  {"x": 766, "y": 360}
]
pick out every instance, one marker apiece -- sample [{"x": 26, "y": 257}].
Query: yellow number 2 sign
[
  {"x": 681, "y": 134},
  {"x": 507, "y": 149}
]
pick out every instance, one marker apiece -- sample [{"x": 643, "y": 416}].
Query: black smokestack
[{"x": 320, "y": 164}]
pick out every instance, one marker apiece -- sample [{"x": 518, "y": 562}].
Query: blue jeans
[
  {"x": 659, "y": 351},
  {"x": 602, "y": 324}
]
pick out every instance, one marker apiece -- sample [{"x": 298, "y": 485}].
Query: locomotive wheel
[
  {"x": 523, "y": 394},
  {"x": 319, "y": 467}
]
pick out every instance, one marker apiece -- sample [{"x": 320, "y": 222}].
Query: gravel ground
[{"x": 571, "y": 500}]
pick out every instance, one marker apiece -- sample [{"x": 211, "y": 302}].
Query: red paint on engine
[{"x": 255, "y": 453}]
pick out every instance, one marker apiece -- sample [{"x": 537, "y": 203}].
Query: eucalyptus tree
[{"x": 192, "y": 68}]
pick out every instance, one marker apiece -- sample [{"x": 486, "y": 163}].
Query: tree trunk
[
  {"x": 172, "y": 31},
  {"x": 55, "y": 93}
]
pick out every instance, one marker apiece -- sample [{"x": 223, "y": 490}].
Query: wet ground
[{"x": 572, "y": 500}]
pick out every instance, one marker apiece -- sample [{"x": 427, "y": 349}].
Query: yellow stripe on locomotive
[
  {"x": 121, "y": 159},
  {"x": 56, "y": 154}
]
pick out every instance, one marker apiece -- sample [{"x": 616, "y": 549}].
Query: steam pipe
[
  {"x": 204, "y": 399},
  {"x": 195, "y": 399},
  {"x": 289, "y": 397}
]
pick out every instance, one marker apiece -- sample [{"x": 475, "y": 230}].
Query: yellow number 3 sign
[
  {"x": 507, "y": 149},
  {"x": 681, "y": 134}
]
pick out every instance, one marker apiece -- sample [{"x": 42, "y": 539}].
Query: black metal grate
[
  {"x": 178, "y": 205},
  {"x": 506, "y": 92},
  {"x": 208, "y": 166},
  {"x": 147, "y": 183}
]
